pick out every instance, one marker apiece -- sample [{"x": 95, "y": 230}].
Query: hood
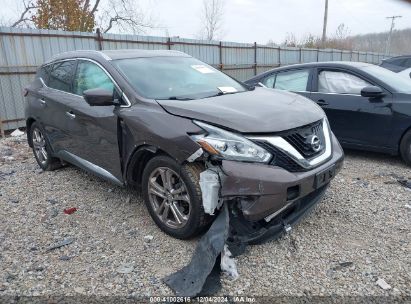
[{"x": 259, "y": 111}]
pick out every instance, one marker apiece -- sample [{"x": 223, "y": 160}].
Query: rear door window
[
  {"x": 44, "y": 74},
  {"x": 340, "y": 83},
  {"x": 90, "y": 76},
  {"x": 295, "y": 80},
  {"x": 61, "y": 75}
]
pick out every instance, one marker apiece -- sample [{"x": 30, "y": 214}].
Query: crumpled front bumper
[{"x": 264, "y": 190}]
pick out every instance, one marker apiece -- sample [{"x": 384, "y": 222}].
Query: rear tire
[
  {"x": 405, "y": 148},
  {"x": 173, "y": 196},
  {"x": 41, "y": 149}
]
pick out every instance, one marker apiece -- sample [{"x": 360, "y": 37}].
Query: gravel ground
[{"x": 358, "y": 234}]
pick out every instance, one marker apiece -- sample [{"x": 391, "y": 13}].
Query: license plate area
[{"x": 324, "y": 176}]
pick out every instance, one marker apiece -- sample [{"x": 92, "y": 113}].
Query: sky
[{"x": 264, "y": 20}]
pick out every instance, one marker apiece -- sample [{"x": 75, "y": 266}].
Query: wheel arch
[
  {"x": 29, "y": 123},
  {"x": 137, "y": 162},
  {"x": 402, "y": 137}
]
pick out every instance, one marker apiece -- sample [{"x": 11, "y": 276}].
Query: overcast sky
[{"x": 262, "y": 20}]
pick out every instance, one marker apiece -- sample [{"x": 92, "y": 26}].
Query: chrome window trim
[
  {"x": 123, "y": 95},
  {"x": 287, "y": 148}
]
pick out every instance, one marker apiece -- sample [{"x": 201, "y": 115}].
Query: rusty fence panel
[{"x": 23, "y": 50}]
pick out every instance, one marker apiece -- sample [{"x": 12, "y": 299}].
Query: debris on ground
[
  {"x": 228, "y": 264},
  {"x": 342, "y": 265},
  {"x": 60, "y": 244},
  {"x": 148, "y": 238},
  {"x": 405, "y": 182},
  {"x": 195, "y": 278},
  {"x": 384, "y": 285},
  {"x": 407, "y": 206},
  {"x": 17, "y": 133},
  {"x": 125, "y": 268},
  {"x": 128, "y": 199},
  {"x": 70, "y": 210}
]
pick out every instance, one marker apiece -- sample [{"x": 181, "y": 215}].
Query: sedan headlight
[{"x": 228, "y": 145}]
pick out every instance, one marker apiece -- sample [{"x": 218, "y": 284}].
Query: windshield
[
  {"x": 398, "y": 83},
  {"x": 176, "y": 78}
]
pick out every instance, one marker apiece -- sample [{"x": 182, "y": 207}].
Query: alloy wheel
[
  {"x": 169, "y": 197},
  {"x": 39, "y": 146}
]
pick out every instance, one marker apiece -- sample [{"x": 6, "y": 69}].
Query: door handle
[
  {"x": 43, "y": 101},
  {"x": 71, "y": 114},
  {"x": 322, "y": 103}
]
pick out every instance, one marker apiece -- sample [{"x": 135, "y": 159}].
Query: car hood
[{"x": 259, "y": 111}]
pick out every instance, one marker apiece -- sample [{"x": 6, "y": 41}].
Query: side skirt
[{"x": 89, "y": 167}]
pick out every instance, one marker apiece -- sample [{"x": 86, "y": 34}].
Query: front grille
[
  {"x": 280, "y": 158},
  {"x": 300, "y": 139}
]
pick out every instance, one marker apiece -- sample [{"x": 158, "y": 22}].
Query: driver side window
[
  {"x": 340, "y": 83},
  {"x": 90, "y": 76}
]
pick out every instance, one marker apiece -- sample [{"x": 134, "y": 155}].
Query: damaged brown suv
[{"x": 188, "y": 136}]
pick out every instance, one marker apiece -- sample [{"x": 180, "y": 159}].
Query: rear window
[
  {"x": 61, "y": 75},
  {"x": 44, "y": 74}
]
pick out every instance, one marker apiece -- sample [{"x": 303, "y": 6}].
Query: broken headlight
[{"x": 229, "y": 145}]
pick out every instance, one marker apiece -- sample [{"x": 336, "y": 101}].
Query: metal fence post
[
  {"x": 1, "y": 128},
  {"x": 169, "y": 43},
  {"x": 279, "y": 56},
  {"x": 220, "y": 46},
  {"x": 318, "y": 54},
  {"x": 255, "y": 58},
  {"x": 99, "y": 39},
  {"x": 301, "y": 55}
]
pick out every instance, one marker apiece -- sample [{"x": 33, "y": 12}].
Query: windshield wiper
[
  {"x": 175, "y": 98},
  {"x": 222, "y": 93}
]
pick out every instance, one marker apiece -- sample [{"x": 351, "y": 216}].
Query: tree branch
[{"x": 27, "y": 7}]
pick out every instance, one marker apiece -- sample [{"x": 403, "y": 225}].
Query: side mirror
[
  {"x": 372, "y": 92},
  {"x": 99, "y": 97}
]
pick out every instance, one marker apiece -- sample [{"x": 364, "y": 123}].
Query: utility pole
[
  {"x": 388, "y": 43},
  {"x": 325, "y": 23}
]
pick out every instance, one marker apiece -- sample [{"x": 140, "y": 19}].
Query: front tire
[
  {"x": 405, "y": 148},
  {"x": 173, "y": 196},
  {"x": 41, "y": 149}
]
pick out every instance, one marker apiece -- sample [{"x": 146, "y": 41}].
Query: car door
[
  {"x": 354, "y": 119},
  {"x": 294, "y": 80},
  {"x": 94, "y": 128},
  {"x": 55, "y": 99}
]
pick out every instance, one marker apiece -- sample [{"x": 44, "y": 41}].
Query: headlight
[{"x": 228, "y": 145}]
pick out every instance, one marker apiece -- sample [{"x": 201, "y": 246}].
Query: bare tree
[
  {"x": 25, "y": 16},
  {"x": 126, "y": 15},
  {"x": 212, "y": 15}
]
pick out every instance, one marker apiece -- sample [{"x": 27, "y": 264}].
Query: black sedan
[{"x": 368, "y": 107}]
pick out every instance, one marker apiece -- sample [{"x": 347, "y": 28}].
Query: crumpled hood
[{"x": 259, "y": 111}]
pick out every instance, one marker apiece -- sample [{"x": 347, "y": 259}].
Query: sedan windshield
[
  {"x": 398, "y": 83},
  {"x": 176, "y": 78}
]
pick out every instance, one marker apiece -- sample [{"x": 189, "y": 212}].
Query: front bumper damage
[{"x": 256, "y": 203}]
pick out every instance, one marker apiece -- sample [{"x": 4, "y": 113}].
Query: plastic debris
[
  {"x": 342, "y": 265},
  {"x": 17, "y": 133},
  {"x": 57, "y": 245},
  {"x": 384, "y": 285},
  {"x": 125, "y": 268},
  {"x": 200, "y": 273},
  {"x": 408, "y": 206},
  {"x": 404, "y": 182},
  {"x": 228, "y": 264},
  {"x": 148, "y": 238},
  {"x": 195, "y": 155},
  {"x": 70, "y": 210},
  {"x": 210, "y": 190}
]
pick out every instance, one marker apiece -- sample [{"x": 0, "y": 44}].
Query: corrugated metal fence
[{"x": 23, "y": 50}]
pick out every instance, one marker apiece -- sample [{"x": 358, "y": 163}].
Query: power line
[{"x": 388, "y": 44}]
